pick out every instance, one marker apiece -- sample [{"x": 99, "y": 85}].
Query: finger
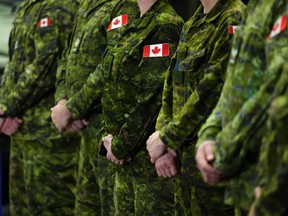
[
  {"x": 19, "y": 121},
  {"x": 85, "y": 122},
  {"x": 79, "y": 123},
  {"x": 121, "y": 162},
  {"x": 173, "y": 170},
  {"x": 159, "y": 171},
  {"x": 168, "y": 172},
  {"x": 108, "y": 156},
  {"x": 209, "y": 153},
  {"x": 153, "y": 160}
]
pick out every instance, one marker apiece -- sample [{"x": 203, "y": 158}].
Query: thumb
[{"x": 209, "y": 151}]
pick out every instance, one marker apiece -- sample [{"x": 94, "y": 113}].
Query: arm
[
  {"x": 60, "y": 92},
  {"x": 239, "y": 138},
  {"x": 149, "y": 102},
  {"x": 273, "y": 197},
  {"x": 79, "y": 104},
  {"x": 165, "y": 114},
  {"x": 203, "y": 96}
]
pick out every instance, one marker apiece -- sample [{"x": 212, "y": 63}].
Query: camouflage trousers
[
  {"x": 43, "y": 176},
  {"x": 95, "y": 179},
  {"x": 201, "y": 201},
  {"x": 193, "y": 197},
  {"x": 137, "y": 193}
]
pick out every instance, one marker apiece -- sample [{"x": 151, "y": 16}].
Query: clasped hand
[
  {"x": 9, "y": 126},
  {"x": 63, "y": 120}
]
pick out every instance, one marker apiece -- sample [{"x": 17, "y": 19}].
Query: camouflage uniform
[
  {"x": 132, "y": 104},
  {"x": 192, "y": 88},
  {"x": 87, "y": 42},
  {"x": 256, "y": 117},
  {"x": 231, "y": 124},
  {"x": 43, "y": 162}
]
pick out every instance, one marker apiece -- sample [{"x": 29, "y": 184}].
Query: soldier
[
  {"x": 43, "y": 162},
  {"x": 226, "y": 148},
  {"x": 129, "y": 83},
  {"x": 270, "y": 104},
  {"x": 87, "y": 43},
  {"x": 191, "y": 90}
]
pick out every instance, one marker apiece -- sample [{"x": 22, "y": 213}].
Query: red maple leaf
[
  {"x": 116, "y": 22},
  {"x": 275, "y": 27},
  {"x": 156, "y": 50}
]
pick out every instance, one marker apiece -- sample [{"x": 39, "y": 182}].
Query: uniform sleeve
[
  {"x": 212, "y": 126},
  {"x": 273, "y": 199},
  {"x": 165, "y": 114},
  {"x": 142, "y": 119},
  {"x": 38, "y": 79},
  {"x": 239, "y": 138},
  {"x": 91, "y": 91},
  {"x": 203, "y": 97},
  {"x": 60, "y": 92}
]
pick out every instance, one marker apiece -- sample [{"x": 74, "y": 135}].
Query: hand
[
  {"x": 107, "y": 141},
  {"x": 168, "y": 164},
  {"x": 60, "y": 115},
  {"x": 2, "y": 120},
  {"x": 156, "y": 148},
  {"x": 10, "y": 126},
  {"x": 257, "y": 194},
  {"x": 204, "y": 158},
  {"x": 77, "y": 125}
]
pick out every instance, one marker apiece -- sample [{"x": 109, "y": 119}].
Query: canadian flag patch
[
  {"x": 232, "y": 29},
  {"x": 156, "y": 50},
  {"x": 45, "y": 22},
  {"x": 279, "y": 26},
  {"x": 118, "y": 22}
]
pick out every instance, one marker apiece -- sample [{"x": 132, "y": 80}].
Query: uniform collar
[
  {"x": 216, "y": 11},
  {"x": 87, "y": 6},
  {"x": 147, "y": 18}
]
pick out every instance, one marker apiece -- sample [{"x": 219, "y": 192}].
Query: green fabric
[{"x": 236, "y": 115}]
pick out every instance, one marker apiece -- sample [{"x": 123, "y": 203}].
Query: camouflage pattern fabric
[
  {"x": 43, "y": 176},
  {"x": 273, "y": 155},
  {"x": 192, "y": 87},
  {"x": 231, "y": 122},
  {"x": 138, "y": 81},
  {"x": 43, "y": 162},
  {"x": 123, "y": 68},
  {"x": 87, "y": 42}
]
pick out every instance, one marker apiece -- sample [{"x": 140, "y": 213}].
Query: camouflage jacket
[
  {"x": 196, "y": 74},
  {"x": 130, "y": 84},
  {"x": 87, "y": 42},
  {"x": 273, "y": 155},
  {"x": 82, "y": 85},
  {"x": 238, "y": 114},
  {"x": 246, "y": 72},
  {"x": 134, "y": 71},
  {"x": 39, "y": 33}
]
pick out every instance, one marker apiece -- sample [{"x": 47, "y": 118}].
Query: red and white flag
[
  {"x": 279, "y": 26},
  {"x": 45, "y": 22},
  {"x": 156, "y": 50},
  {"x": 232, "y": 29},
  {"x": 118, "y": 22}
]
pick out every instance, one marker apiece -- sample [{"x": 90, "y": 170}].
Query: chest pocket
[{"x": 190, "y": 67}]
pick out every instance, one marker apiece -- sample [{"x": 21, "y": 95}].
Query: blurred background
[{"x": 8, "y": 8}]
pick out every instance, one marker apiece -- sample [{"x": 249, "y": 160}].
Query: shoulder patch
[
  {"x": 118, "y": 22},
  {"x": 232, "y": 29},
  {"x": 156, "y": 50},
  {"x": 44, "y": 22},
  {"x": 279, "y": 26}
]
